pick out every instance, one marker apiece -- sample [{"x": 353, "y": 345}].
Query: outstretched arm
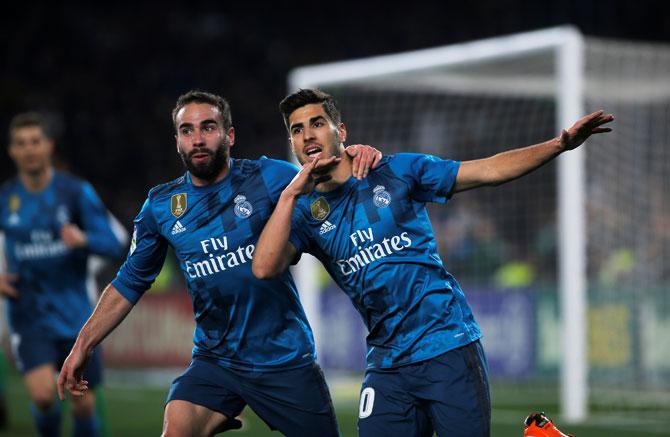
[
  {"x": 513, "y": 164},
  {"x": 110, "y": 311},
  {"x": 274, "y": 253}
]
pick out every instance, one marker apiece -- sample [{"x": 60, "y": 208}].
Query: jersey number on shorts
[{"x": 367, "y": 402}]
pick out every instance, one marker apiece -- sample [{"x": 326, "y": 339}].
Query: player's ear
[
  {"x": 231, "y": 136},
  {"x": 50, "y": 146},
  {"x": 342, "y": 130},
  {"x": 291, "y": 145}
]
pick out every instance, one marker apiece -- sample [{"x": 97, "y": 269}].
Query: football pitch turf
[{"x": 136, "y": 410}]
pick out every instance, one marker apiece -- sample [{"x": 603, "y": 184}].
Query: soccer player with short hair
[
  {"x": 252, "y": 343},
  {"x": 426, "y": 370},
  {"x": 52, "y": 223}
]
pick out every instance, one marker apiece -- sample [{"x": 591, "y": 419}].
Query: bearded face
[{"x": 204, "y": 163}]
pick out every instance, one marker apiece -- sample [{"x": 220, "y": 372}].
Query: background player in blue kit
[
  {"x": 52, "y": 222},
  {"x": 426, "y": 368},
  {"x": 253, "y": 344}
]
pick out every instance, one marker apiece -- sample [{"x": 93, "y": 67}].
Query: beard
[
  {"x": 208, "y": 171},
  {"x": 335, "y": 145}
]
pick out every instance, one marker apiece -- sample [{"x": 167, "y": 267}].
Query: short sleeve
[
  {"x": 431, "y": 179},
  {"x": 277, "y": 175},
  {"x": 145, "y": 258}
]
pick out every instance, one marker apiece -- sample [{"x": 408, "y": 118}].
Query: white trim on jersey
[{"x": 95, "y": 263}]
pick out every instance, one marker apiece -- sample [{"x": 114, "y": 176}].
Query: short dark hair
[
  {"x": 195, "y": 96},
  {"x": 29, "y": 119},
  {"x": 304, "y": 97}
]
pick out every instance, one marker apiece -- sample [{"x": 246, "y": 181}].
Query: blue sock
[
  {"x": 86, "y": 426},
  {"x": 47, "y": 422}
]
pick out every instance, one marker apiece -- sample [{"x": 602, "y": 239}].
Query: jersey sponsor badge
[
  {"x": 14, "y": 205},
  {"x": 178, "y": 204},
  {"x": 382, "y": 198},
  {"x": 320, "y": 208},
  {"x": 243, "y": 208}
]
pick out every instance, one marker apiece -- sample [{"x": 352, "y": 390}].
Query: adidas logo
[
  {"x": 326, "y": 227},
  {"x": 178, "y": 228}
]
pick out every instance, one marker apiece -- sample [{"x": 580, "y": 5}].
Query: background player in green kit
[
  {"x": 426, "y": 370},
  {"x": 252, "y": 343}
]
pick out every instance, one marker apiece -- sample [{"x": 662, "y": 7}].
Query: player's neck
[
  {"x": 340, "y": 174},
  {"x": 199, "y": 182},
  {"x": 37, "y": 181}
]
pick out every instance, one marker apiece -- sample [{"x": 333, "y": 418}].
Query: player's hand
[
  {"x": 584, "y": 128},
  {"x": 364, "y": 158},
  {"x": 6, "y": 287},
  {"x": 311, "y": 174},
  {"x": 70, "y": 376},
  {"x": 72, "y": 236}
]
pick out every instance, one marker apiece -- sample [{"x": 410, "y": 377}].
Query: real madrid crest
[
  {"x": 382, "y": 198},
  {"x": 320, "y": 208},
  {"x": 178, "y": 204},
  {"x": 62, "y": 215},
  {"x": 243, "y": 208}
]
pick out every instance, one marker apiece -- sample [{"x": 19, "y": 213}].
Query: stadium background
[{"x": 107, "y": 77}]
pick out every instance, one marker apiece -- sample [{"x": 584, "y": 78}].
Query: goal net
[{"x": 568, "y": 268}]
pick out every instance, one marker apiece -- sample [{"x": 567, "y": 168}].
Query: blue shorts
[
  {"x": 33, "y": 351},
  {"x": 295, "y": 402},
  {"x": 448, "y": 394}
]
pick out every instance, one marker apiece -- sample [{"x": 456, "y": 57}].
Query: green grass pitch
[{"x": 138, "y": 411}]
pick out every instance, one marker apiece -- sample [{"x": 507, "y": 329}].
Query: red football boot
[{"x": 539, "y": 425}]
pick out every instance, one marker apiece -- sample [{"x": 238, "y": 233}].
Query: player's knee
[
  {"x": 175, "y": 424},
  {"x": 175, "y": 429},
  {"x": 43, "y": 400},
  {"x": 198, "y": 421},
  {"x": 43, "y": 397},
  {"x": 83, "y": 406}
]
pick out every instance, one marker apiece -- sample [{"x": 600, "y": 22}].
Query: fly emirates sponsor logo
[
  {"x": 42, "y": 245},
  {"x": 218, "y": 258},
  {"x": 369, "y": 251}
]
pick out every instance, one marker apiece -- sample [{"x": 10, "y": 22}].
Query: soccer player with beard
[
  {"x": 253, "y": 344},
  {"x": 426, "y": 369},
  {"x": 52, "y": 223}
]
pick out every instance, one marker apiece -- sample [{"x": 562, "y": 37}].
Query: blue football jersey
[
  {"x": 243, "y": 322},
  {"x": 53, "y": 300},
  {"x": 376, "y": 241}
]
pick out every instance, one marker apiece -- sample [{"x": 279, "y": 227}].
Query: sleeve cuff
[{"x": 128, "y": 293}]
